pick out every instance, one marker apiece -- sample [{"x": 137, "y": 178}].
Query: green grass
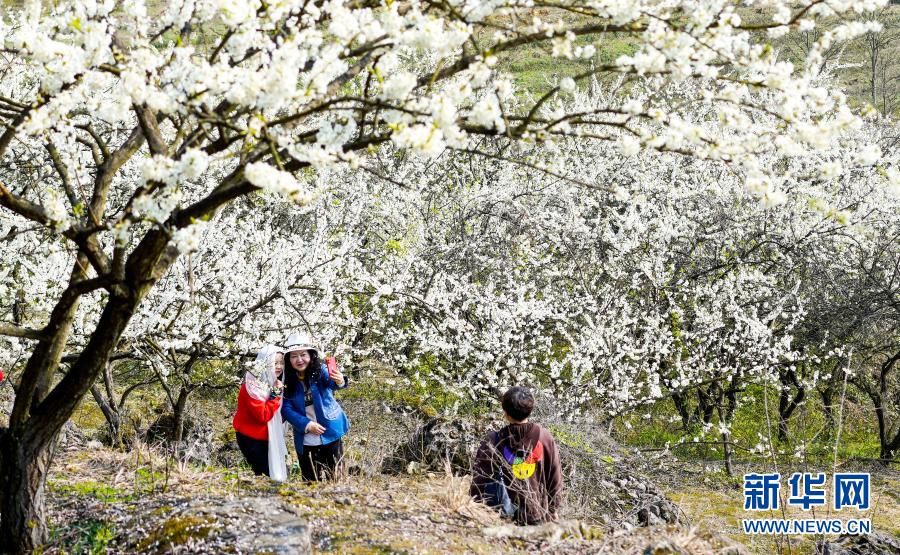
[
  {"x": 807, "y": 427},
  {"x": 87, "y": 537},
  {"x": 146, "y": 480},
  {"x": 573, "y": 439},
  {"x": 90, "y": 488},
  {"x": 534, "y": 70}
]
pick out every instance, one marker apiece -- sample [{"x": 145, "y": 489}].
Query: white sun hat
[{"x": 299, "y": 341}]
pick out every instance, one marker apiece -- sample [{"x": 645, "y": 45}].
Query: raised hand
[{"x": 333, "y": 371}]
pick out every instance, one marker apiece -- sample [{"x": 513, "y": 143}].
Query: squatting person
[{"x": 517, "y": 468}]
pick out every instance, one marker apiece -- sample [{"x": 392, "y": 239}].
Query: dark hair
[
  {"x": 290, "y": 373},
  {"x": 518, "y": 403}
]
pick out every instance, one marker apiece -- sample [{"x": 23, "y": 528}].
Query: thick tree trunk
[
  {"x": 23, "y": 475},
  {"x": 706, "y": 404},
  {"x": 727, "y": 417},
  {"x": 784, "y": 400},
  {"x": 26, "y": 447},
  {"x": 889, "y": 445}
]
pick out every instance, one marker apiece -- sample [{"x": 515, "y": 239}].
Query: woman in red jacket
[{"x": 257, "y": 422}]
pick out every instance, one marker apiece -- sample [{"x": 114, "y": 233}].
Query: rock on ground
[
  {"x": 197, "y": 435},
  {"x": 216, "y": 525},
  {"x": 433, "y": 444},
  {"x": 868, "y": 544},
  {"x": 610, "y": 488}
]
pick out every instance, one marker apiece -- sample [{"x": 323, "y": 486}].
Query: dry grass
[
  {"x": 671, "y": 539},
  {"x": 452, "y": 493},
  {"x": 886, "y": 503},
  {"x": 363, "y": 511},
  {"x": 144, "y": 469}
]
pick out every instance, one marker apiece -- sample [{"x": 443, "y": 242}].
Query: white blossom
[
  {"x": 398, "y": 86},
  {"x": 188, "y": 239},
  {"x": 272, "y": 179}
]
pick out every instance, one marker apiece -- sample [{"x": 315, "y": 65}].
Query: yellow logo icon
[{"x": 523, "y": 470}]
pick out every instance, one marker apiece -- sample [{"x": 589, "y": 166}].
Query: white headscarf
[{"x": 261, "y": 390}]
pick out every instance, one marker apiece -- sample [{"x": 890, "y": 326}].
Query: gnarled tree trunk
[
  {"x": 39, "y": 414},
  {"x": 23, "y": 475},
  {"x": 108, "y": 406}
]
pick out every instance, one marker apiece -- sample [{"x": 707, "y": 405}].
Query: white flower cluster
[
  {"x": 156, "y": 208},
  {"x": 281, "y": 182},
  {"x": 188, "y": 239}
]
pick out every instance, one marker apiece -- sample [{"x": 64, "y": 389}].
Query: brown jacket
[{"x": 527, "y": 457}]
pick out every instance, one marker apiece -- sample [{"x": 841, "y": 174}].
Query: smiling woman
[{"x": 319, "y": 421}]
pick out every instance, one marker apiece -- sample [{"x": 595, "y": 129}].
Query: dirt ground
[{"x": 107, "y": 501}]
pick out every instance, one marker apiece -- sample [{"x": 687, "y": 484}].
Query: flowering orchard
[{"x": 593, "y": 239}]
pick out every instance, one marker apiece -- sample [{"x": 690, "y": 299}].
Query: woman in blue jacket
[{"x": 309, "y": 405}]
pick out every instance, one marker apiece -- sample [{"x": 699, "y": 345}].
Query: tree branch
[{"x": 12, "y": 330}]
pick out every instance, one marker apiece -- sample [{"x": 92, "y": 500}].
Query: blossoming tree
[{"x": 127, "y": 128}]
